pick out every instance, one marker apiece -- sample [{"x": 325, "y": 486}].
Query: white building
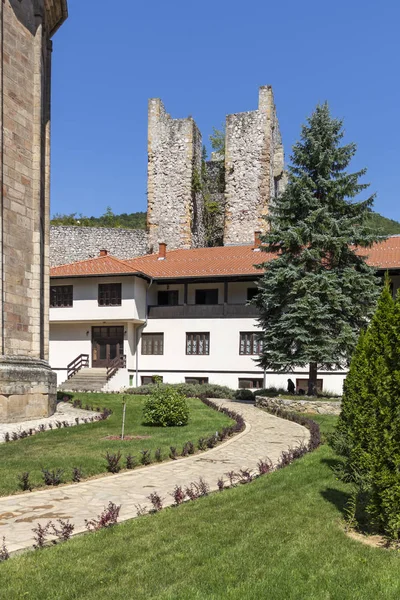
[{"x": 181, "y": 314}]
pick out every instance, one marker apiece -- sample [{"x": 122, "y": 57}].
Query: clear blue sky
[{"x": 207, "y": 60}]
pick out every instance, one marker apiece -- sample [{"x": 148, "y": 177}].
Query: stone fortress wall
[
  {"x": 72, "y": 243},
  {"x": 193, "y": 204}
]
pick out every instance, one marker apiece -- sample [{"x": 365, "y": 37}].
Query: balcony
[{"x": 203, "y": 311}]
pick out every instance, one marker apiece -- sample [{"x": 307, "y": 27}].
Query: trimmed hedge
[{"x": 190, "y": 390}]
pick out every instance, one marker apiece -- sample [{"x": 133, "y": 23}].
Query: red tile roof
[
  {"x": 101, "y": 265},
  {"x": 208, "y": 262}
]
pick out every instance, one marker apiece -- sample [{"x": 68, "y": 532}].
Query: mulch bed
[{"x": 127, "y": 438}]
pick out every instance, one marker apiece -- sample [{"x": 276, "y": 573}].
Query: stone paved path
[
  {"x": 265, "y": 436},
  {"x": 64, "y": 412}
]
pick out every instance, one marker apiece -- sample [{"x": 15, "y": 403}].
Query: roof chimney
[
  {"x": 257, "y": 240},
  {"x": 103, "y": 252},
  {"x": 162, "y": 251}
]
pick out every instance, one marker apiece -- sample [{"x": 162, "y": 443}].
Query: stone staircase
[{"x": 85, "y": 380}]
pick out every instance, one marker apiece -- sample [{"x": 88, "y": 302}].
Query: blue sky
[{"x": 207, "y": 60}]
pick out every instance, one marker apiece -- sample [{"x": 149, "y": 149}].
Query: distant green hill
[
  {"x": 384, "y": 225},
  {"x": 137, "y": 220}
]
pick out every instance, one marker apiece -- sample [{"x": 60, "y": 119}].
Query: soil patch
[
  {"x": 376, "y": 541},
  {"x": 127, "y": 438}
]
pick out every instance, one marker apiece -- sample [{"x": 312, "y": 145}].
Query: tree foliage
[
  {"x": 317, "y": 293},
  {"x": 370, "y": 420},
  {"x": 135, "y": 220}
]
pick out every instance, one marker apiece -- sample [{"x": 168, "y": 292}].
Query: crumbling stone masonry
[
  {"x": 69, "y": 243},
  {"x": 175, "y": 205},
  {"x": 254, "y": 163},
  {"x": 226, "y": 204},
  {"x": 27, "y": 384}
]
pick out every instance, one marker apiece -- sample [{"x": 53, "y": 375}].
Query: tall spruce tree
[{"x": 317, "y": 292}]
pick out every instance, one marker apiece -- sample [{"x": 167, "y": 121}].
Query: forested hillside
[{"x": 137, "y": 220}]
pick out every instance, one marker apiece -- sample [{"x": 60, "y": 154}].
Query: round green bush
[
  {"x": 244, "y": 394},
  {"x": 167, "y": 407}
]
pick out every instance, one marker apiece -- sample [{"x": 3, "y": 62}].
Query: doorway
[{"x": 107, "y": 344}]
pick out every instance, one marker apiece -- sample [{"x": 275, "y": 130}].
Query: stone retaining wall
[{"x": 320, "y": 407}]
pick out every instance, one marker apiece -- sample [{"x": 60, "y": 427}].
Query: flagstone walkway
[{"x": 265, "y": 436}]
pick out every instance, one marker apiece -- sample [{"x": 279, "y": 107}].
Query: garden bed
[{"x": 86, "y": 446}]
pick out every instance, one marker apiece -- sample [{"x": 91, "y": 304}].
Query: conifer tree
[
  {"x": 368, "y": 385},
  {"x": 370, "y": 417},
  {"x": 318, "y": 292}
]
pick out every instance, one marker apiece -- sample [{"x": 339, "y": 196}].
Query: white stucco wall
[{"x": 85, "y": 300}]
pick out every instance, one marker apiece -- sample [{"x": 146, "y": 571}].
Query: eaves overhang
[{"x": 56, "y": 14}]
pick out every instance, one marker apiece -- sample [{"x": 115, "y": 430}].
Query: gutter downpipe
[{"x": 139, "y": 329}]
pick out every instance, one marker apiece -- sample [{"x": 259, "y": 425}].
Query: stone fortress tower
[
  {"x": 27, "y": 385},
  {"x": 242, "y": 183},
  {"x": 194, "y": 203},
  {"x": 254, "y": 168},
  {"x": 174, "y": 204}
]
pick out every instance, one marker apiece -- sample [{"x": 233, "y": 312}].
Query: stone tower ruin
[
  {"x": 27, "y": 385},
  {"x": 174, "y": 202},
  {"x": 238, "y": 186},
  {"x": 254, "y": 163}
]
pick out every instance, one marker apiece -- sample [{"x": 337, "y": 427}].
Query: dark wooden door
[{"x": 107, "y": 344}]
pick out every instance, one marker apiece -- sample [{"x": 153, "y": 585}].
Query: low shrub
[
  {"x": 271, "y": 392},
  {"x": 108, "y": 518},
  {"x": 24, "y": 482},
  {"x": 4, "y": 554},
  {"x": 52, "y": 477},
  {"x": 190, "y": 390},
  {"x": 166, "y": 407},
  {"x": 244, "y": 394},
  {"x": 113, "y": 465},
  {"x": 76, "y": 474}
]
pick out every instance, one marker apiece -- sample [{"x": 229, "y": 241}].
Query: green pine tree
[
  {"x": 317, "y": 293},
  {"x": 368, "y": 387}
]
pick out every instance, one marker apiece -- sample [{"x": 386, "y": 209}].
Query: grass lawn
[
  {"x": 278, "y": 538},
  {"x": 85, "y": 446}
]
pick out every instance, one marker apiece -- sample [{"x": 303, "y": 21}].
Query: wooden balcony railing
[
  {"x": 78, "y": 363},
  {"x": 199, "y": 311},
  {"x": 119, "y": 362}
]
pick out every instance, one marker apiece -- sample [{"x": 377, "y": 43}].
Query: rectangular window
[
  {"x": 148, "y": 379},
  {"x": 206, "y": 297},
  {"x": 250, "y": 344},
  {"x": 168, "y": 298},
  {"x": 196, "y": 380},
  {"x": 302, "y": 386},
  {"x": 198, "y": 343},
  {"x": 152, "y": 343},
  {"x": 251, "y": 383},
  {"x": 61, "y": 296},
  {"x": 110, "y": 294},
  {"x": 251, "y": 292}
]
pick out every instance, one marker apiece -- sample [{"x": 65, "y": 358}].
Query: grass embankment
[
  {"x": 86, "y": 445},
  {"x": 279, "y": 537}
]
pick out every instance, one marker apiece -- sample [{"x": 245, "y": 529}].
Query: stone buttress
[{"x": 27, "y": 384}]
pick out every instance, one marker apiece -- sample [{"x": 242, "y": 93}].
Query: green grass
[
  {"x": 85, "y": 446},
  {"x": 278, "y": 538}
]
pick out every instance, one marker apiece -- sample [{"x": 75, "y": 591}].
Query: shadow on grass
[{"x": 338, "y": 498}]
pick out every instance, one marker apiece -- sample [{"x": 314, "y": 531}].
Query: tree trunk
[{"x": 312, "y": 380}]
